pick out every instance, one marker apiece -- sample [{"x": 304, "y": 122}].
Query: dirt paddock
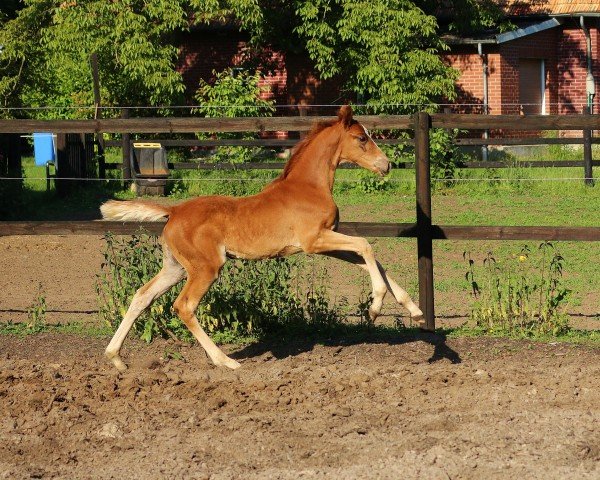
[{"x": 421, "y": 407}]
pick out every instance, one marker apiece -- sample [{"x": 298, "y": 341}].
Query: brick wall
[
  {"x": 470, "y": 83},
  {"x": 290, "y": 78},
  {"x": 203, "y": 52},
  {"x": 572, "y": 69},
  {"x": 564, "y": 52}
]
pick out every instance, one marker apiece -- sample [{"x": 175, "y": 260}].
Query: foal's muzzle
[{"x": 383, "y": 165}]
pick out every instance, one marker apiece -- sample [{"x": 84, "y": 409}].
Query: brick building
[
  {"x": 549, "y": 64},
  {"x": 290, "y": 77}
]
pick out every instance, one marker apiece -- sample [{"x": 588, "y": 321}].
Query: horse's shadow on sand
[{"x": 289, "y": 346}]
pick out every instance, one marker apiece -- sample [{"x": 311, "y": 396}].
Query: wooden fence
[{"x": 424, "y": 229}]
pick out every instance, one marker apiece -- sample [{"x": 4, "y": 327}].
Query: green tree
[
  {"x": 8, "y": 9},
  {"x": 467, "y": 16},
  {"x": 46, "y": 49},
  {"x": 386, "y": 49}
]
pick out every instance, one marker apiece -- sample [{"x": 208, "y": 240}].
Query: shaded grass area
[{"x": 23, "y": 329}]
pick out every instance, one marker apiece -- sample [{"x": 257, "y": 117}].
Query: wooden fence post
[
  {"x": 587, "y": 153},
  {"x": 11, "y": 167},
  {"x": 424, "y": 234},
  {"x": 126, "y": 142}
]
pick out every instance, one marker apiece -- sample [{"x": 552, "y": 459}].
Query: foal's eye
[{"x": 362, "y": 139}]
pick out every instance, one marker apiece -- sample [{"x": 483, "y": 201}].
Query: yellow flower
[{"x": 522, "y": 258}]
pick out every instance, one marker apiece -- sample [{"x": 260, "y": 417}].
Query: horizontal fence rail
[
  {"x": 298, "y": 124},
  {"x": 235, "y": 142},
  {"x": 366, "y": 229},
  {"x": 278, "y": 142},
  {"x": 193, "y": 124},
  {"x": 402, "y": 165},
  {"x": 526, "y": 141},
  {"x": 473, "y": 121}
]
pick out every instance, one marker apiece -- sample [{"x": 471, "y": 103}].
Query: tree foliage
[
  {"x": 46, "y": 50},
  {"x": 467, "y": 16},
  {"x": 386, "y": 49},
  {"x": 233, "y": 94},
  {"x": 382, "y": 51}
]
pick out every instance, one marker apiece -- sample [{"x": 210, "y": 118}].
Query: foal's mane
[{"x": 301, "y": 146}]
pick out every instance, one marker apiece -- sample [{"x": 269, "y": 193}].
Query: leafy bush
[
  {"x": 369, "y": 183},
  {"x": 233, "y": 94},
  {"x": 129, "y": 264},
  {"x": 521, "y": 294},
  {"x": 445, "y": 156},
  {"x": 249, "y": 298}
]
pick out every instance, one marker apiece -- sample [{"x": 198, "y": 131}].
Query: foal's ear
[{"x": 345, "y": 115}]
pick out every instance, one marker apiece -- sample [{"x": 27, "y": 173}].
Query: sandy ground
[{"x": 416, "y": 408}]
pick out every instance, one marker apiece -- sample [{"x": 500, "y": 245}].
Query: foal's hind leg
[
  {"x": 328, "y": 241},
  {"x": 171, "y": 273},
  {"x": 198, "y": 283},
  {"x": 399, "y": 293}
]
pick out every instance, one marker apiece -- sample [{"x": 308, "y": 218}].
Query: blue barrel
[{"x": 43, "y": 148}]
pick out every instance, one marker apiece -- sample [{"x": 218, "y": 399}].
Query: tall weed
[{"x": 520, "y": 294}]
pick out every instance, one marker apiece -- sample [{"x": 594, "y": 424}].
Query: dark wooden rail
[
  {"x": 298, "y": 124},
  {"x": 192, "y": 124},
  {"x": 365, "y": 229}
]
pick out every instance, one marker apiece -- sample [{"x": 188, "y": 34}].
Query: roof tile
[{"x": 551, "y": 7}]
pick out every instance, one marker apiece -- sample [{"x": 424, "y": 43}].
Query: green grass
[
  {"x": 21, "y": 329},
  {"x": 586, "y": 337}
]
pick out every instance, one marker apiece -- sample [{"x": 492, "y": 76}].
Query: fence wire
[
  {"x": 338, "y": 180},
  {"x": 280, "y": 107}
]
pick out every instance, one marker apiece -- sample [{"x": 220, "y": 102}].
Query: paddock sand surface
[{"x": 416, "y": 408}]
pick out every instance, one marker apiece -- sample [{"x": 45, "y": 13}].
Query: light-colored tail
[{"x": 134, "y": 210}]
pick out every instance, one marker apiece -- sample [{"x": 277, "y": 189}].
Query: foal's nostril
[{"x": 384, "y": 165}]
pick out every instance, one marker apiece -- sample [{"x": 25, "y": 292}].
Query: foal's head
[{"x": 357, "y": 146}]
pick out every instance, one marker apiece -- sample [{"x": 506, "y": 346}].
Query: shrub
[
  {"x": 445, "y": 155},
  {"x": 249, "y": 298},
  {"x": 233, "y": 94}
]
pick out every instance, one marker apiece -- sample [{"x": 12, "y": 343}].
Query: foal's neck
[{"x": 317, "y": 160}]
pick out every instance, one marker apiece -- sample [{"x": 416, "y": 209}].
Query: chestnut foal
[{"x": 295, "y": 213}]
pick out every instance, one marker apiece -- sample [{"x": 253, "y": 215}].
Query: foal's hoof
[
  {"x": 419, "y": 320},
  {"x": 373, "y": 314},
  {"x": 116, "y": 361},
  {"x": 228, "y": 362}
]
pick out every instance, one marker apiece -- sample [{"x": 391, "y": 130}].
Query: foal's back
[{"x": 274, "y": 222}]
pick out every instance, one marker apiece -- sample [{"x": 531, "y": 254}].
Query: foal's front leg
[
  {"x": 399, "y": 293},
  {"x": 328, "y": 241}
]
